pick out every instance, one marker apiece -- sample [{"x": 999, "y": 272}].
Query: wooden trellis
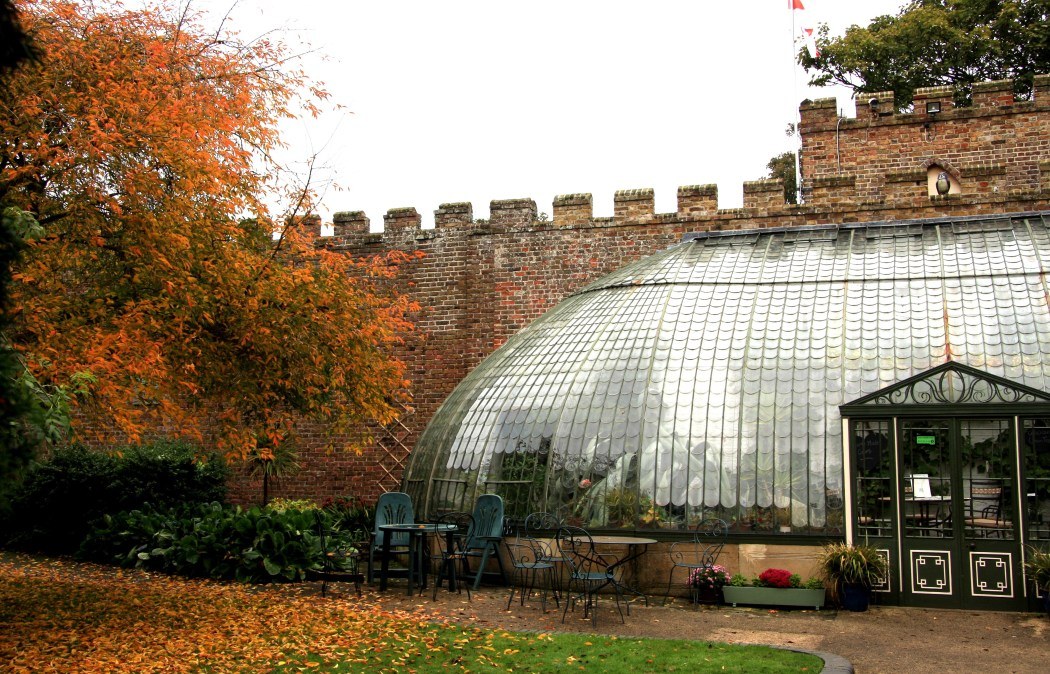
[{"x": 394, "y": 441}]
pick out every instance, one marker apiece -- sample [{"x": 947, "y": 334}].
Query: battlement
[
  {"x": 880, "y": 164},
  {"x": 928, "y": 102}
]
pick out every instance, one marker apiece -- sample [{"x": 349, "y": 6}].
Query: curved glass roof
[{"x": 706, "y": 379}]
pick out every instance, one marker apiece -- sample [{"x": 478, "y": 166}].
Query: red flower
[{"x": 775, "y": 578}]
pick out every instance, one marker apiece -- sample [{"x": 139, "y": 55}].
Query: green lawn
[
  {"x": 450, "y": 648},
  {"x": 56, "y": 615}
]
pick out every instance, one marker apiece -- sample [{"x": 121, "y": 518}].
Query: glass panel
[
  {"x": 926, "y": 478},
  {"x": 1035, "y": 446},
  {"x": 874, "y": 477},
  {"x": 986, "y": 455},
  {"x": 521, "y": 480}
]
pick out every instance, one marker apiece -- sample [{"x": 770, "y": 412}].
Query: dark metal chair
[
  {"x": 989, "y": 508},
  {"x": 341, "y": 554},
  {"x": 530, "y": 559},
  {"x": 452, "y": 558},
  {"x": 542, "y": 527},
  {"x": 589, "y": 573},
  {"x": 709, "y": 537},
  {"x": 540, "y": 523}
]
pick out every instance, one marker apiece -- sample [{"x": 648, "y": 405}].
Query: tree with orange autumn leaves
[{"x": 139, "y": 141}]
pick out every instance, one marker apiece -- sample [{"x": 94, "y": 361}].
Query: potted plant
[
  {"x": 775, "y": 587},
  {"x": 851, "y": 571},
  {"x": 623, "y": 506},
  {"x": 1037, "y": 566},
  {"x": 706, "y": 583}
]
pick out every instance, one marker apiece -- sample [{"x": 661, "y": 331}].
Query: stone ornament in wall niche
[{"x": 941, "y": 182}]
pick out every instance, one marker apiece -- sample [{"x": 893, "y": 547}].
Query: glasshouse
[{"x": 880, "y": 380}]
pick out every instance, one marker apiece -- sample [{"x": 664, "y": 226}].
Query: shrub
[
  {"x": 258, "y": 545},
  {"x": 814, "y": 583},
  {"x": 167, "y": 473},
  {"x": 282, "y": 504},
  {"x": 54, "y": 508},
  {"x": 775, "y": 578},
  {"x": 1037, "y": 567},
  {"x": 842, "y": 563},
  {"x": 348, "y": 513}
]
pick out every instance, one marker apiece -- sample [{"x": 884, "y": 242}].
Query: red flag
[
  {"x": 808, "y": 34},
  {"x": 811, "y": 42}
]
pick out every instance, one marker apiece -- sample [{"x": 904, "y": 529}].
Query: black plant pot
[
  {"x": 855, "y": 597},
  {"x": 707, "y": 595}
]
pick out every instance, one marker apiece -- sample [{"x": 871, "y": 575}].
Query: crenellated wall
[
  {"x": 996, "y": 148},
  {"x": 481, "y": 281}
]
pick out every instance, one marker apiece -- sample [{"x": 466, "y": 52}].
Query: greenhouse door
[
  {"x": 958, "y": 536},
  {"x": 949, "y": 478}
]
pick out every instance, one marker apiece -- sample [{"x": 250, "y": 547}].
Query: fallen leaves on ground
[{"x": 59, "y": 615}]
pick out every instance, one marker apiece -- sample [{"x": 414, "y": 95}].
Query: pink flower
[{"x": 584, "y": 483}]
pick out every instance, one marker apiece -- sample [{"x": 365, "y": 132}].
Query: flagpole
[{"x": 794, "y": 103}]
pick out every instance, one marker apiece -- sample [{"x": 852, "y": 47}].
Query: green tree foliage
[
  {"x": 937, "y": 43},
  {"x": 16, "y": 403},
  {"x": 782, "y": 167}
]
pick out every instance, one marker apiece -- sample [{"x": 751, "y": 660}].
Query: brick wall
[{"x": 482, "y": 281}]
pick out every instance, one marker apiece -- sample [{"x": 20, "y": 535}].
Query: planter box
[{"x": 773, "y": 596}]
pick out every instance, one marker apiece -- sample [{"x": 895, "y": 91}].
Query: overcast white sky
[{"x": 473, "y": 101}]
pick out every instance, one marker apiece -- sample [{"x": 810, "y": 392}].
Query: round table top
[
  {"x": 622, "y": 540},
  {"x": 427, "y": 527}
]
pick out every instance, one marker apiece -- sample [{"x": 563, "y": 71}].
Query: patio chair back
[
  {"x": 543, "y": 527},
  {"x": 710, "y": 537},
  {"x": 393, "y": 507},
  {"x": 540, "y": 523},
  {"x": 484, "y": 540},
  {"x": 488, "y": 520},
  {"x": 989, "y": 508}
]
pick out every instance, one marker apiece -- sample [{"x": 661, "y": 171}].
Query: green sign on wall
[{"x": 925, "y": 440}]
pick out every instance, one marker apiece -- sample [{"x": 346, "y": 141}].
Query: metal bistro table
[
  {"x": 923, "y": 517},
  {"x": 417, "y": 552},
  {"x": 635, "y": 547}
]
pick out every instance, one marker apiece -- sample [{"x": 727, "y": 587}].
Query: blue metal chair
[
  {"x": 589, "y": 573},
  {"x": 485, "y": 539},
  {"x": 393, "y": 507},
  {"x": 702, "y": 550},
  {"x": 543, "y": 527}
]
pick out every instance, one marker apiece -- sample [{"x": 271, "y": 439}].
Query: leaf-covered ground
[
  {"x": 61, "y": 616},
  {"x": 57, "y": 615}
]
